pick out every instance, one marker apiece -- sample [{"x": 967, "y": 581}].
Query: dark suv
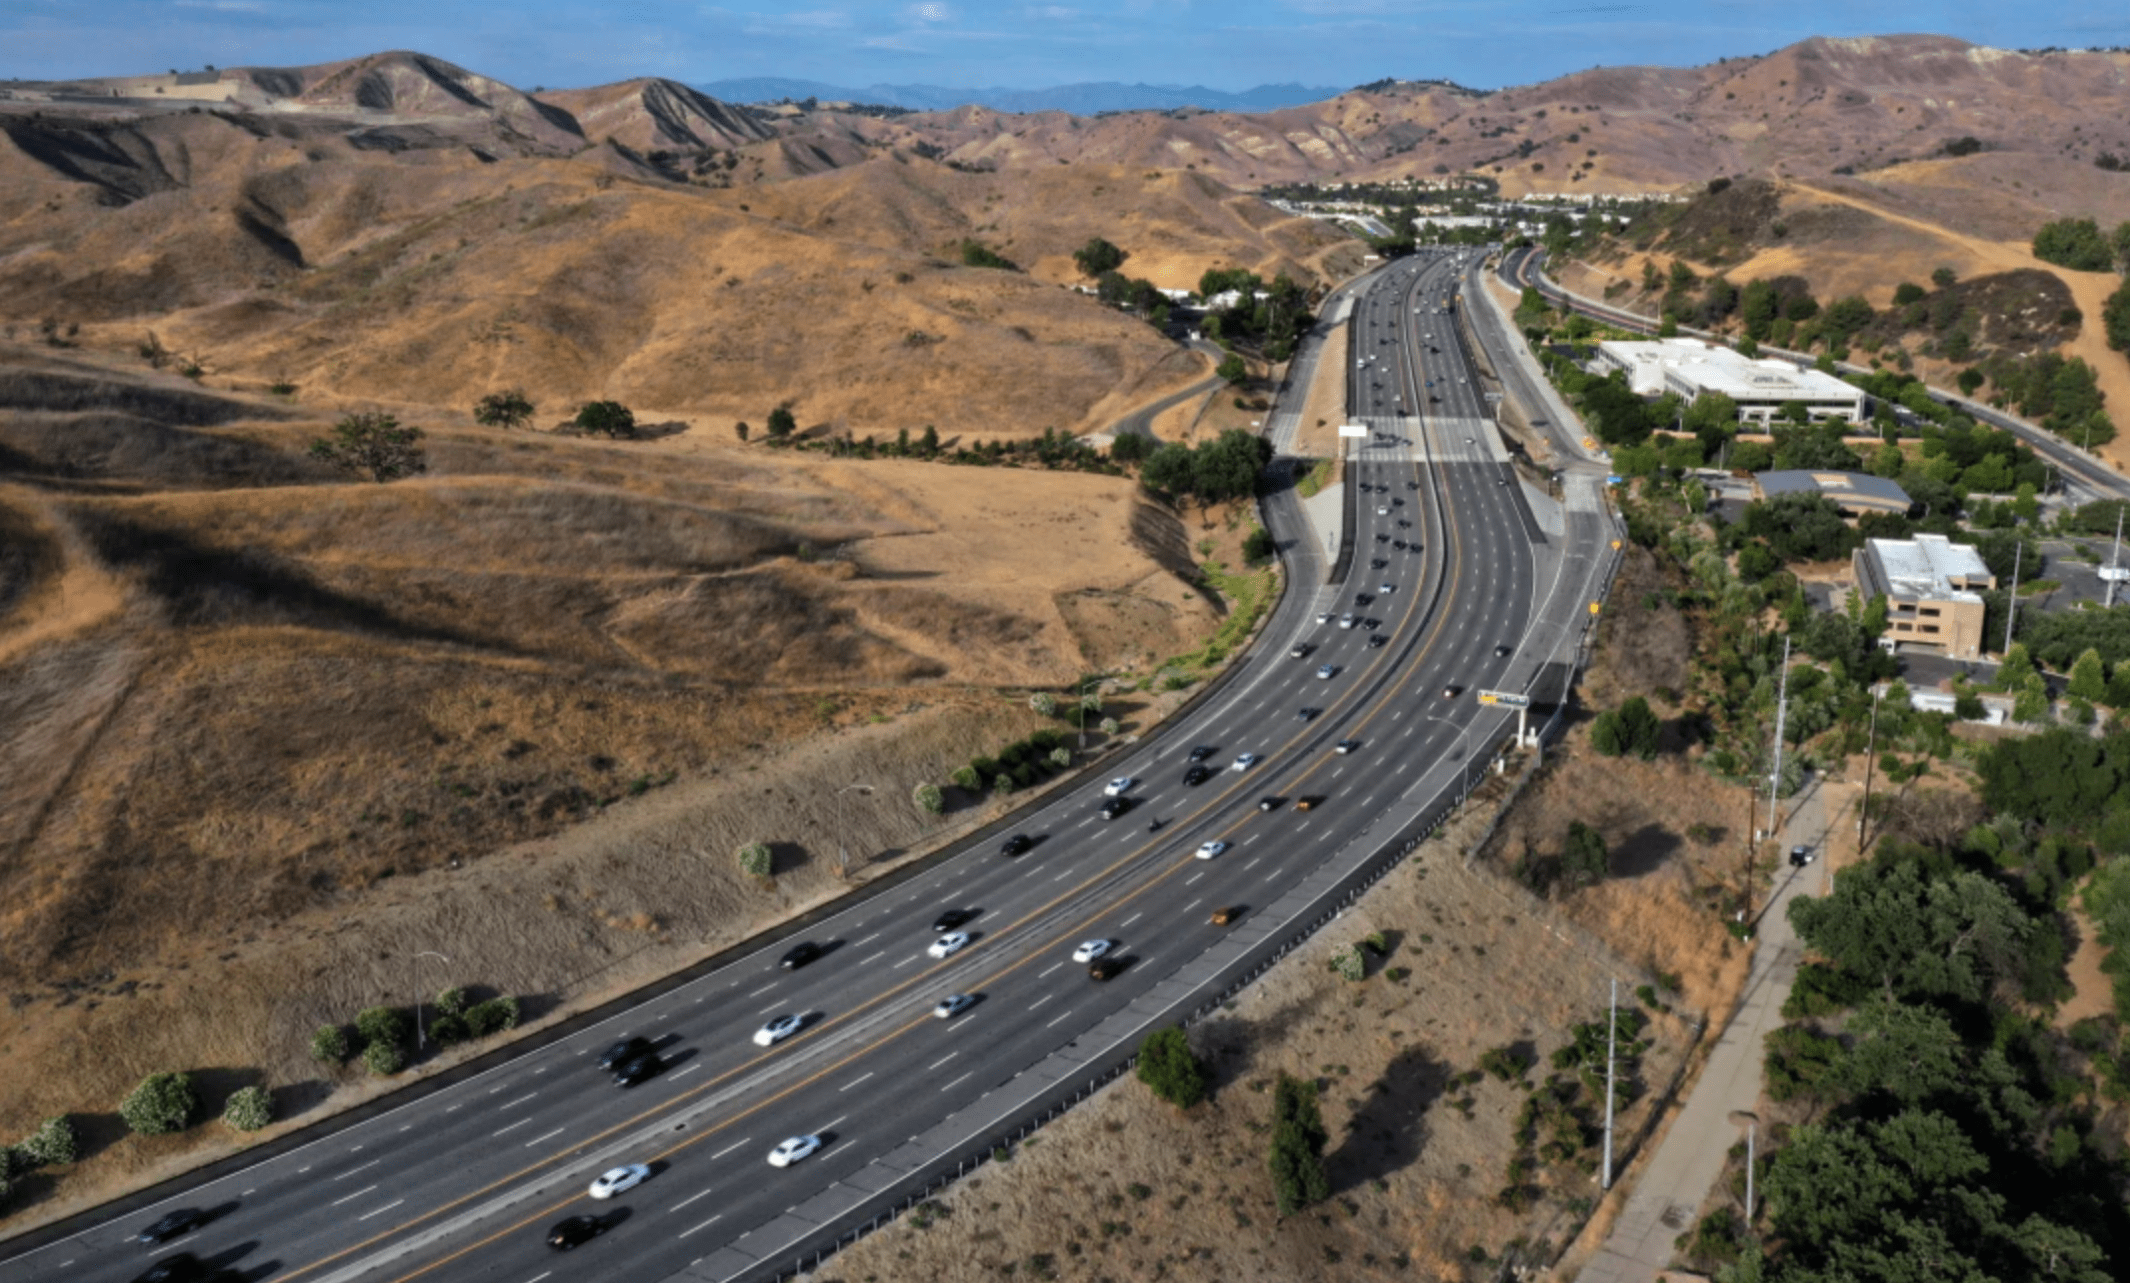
[
  {"x": 623, "y": 1052},
  {"x": 1016, "y": 844},
  {"x": 1197, "y": 775},
  {"x": 176, "y": 1225}
]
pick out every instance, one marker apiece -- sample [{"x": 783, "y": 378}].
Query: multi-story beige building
[{"x": 1933, "y": 590}]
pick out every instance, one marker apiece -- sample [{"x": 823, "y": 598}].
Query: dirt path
[{"x": 2089, "y": 289}]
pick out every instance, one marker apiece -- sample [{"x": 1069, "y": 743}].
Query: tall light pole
[
  {"x": 419, "y": 1040},
  {"x": 2011, "y": 599},
  {"x": 843, "y": 828},
  {"x": 1612, "y": 1026},
  {"x": 1751, "y": 1122},
  {"x": 1870, "y": 747}
]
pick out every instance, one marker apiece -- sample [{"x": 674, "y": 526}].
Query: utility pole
[
  {"x": 2115, "y": 559},
  {"x": 1751, "y": 1122},
  {"x": 1612, "y": 1024},
  {"x": 1870, "y": 747},
  {"x": 2011, "y": 601},
  {"x": 1782, "y": 707}
]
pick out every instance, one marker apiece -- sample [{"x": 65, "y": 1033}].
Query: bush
[
  {"x": 1109, "y": 726},
  {"x": 965, "y": 778},
  {"x": 330, "y": 1045},
  {"x": 384, "y": 1059},
  {"x": 607, "y": 419},
  {"x": 248, "y": 1109},
  {"x": 1169, "y": 1070},
  {"x": 1506, "y": 1063},
  {"x": 929, "y": 799},
  {"x": 1061, "y": 757},
  {"x": 2076, "y": 243},
  {"x": 1044, "y": 703},
  {"x": 1350, "y": 964},
  {"x": 492, "y": 1016},
  {"x": 388, "y": 1025},
  {"x": 163, "y": 1103},
  {"x": 448, "y": 1030},
  {"x": 1296, "y": 1155},
  {"x": 53, "y": 1144},
  {"x": 451, "y": 1002},
  {"x": 1257, "y": 546},
  {"x": 756, "y": 859}
]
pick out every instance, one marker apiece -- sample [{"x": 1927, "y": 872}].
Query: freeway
[
  {"x": 1449, "y": 594},
  {"x": 2083, "y": 474}
]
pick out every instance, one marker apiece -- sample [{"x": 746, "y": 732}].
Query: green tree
[
  {"x": 1584, "y": 859},
  {"x": 1170, "y": 1070},
  {"x": 492, "y": 1016},
  {"x": 1234, "y": 369},
  {"x": 1943, "y": 277},
  {"x": 506, "y": 409},
  {"x": 606, "y": 419},
  {"x": 2115, "y": 316},
  {"x": 373, "y": 445},
  {"x": 1912, "y": 936},
  {"x": 54, "y": 1144},
  {"x": 976, "y": 254},
  {"x": 1168, "y": 469},
  {"x": 163, "y": 1103},
  {"x": 2087, "y": 679},
  {"x": 329, "y": 1045},
  {"x": 1907, "y": 292},
  {"x": 929, "y": 799},
  {"x": 2076, "y": 243},
  {"x": 1296, "y": 1153},
  {"x": 755, "y": 859},
  {"x": 383, "y": 1024},
  {"x": 248, "y": 1109},
  {"x": 384, "y": 1059},
  {"x": 782, "y": 425},
  {"x": 1257, "y": 546},
  {"x": 1098, "y": 256},
  {"x": 450, "y": 1002},
  {"x": 1130, "y": 447},
  {"x": 1606, "y": 736},
  {"x": 1639, "y": 728}
]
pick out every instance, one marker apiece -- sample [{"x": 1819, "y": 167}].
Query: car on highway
[
  {"x": 1325, "y": 672},
  {"x": 1225, "y": 915},
  {"x": 575, "y": 1231},
  {"x": 1323, "y": 616},
  {"x": 1504, "y": 651},
  {"x": 953, "y": 1005},
  {"x": 1090, "y": 950},
  {"x": 1119, "y": 786},
  {"x": 1309, "y": 802},
  {"x": 792, "y": 1150},
  {"x": 949, "y": 944},
  {"x": 1382, "y": 537},
  {"x": 1308, "y": 714},
  {"x": 1346, "y": 621},
  {"x": 1269, "y": 803},
  {"x": 1197, "y": 775},
  {"x": 1449, "y": 692},
  {"x": 637, "y": 1069},
  {"x": 799, "y": 955},
  {"x": 1016, "y": 844},
  {"x": 1104, "y": 968},
  {"x": 1201, "y": 752},
  {"x": 623, "y": 1052},
  {"x": 1399, "y": 545},
  {"x": 1378, "y": 640},
  {"x": 1377, "y": 563},
  {"x": 1382, "y": 512},
  {"x": 1114, "y": 807},
  {"x": 619, "y": 1180},
  {"x": 1243, "y": 762},
  {"x": 778, "y": 1029},
  {"x": 1207, "y": 850},
  {"x": 175, "y": 1225},
  {"x": 1301, "y": 651},
  {"x": 1362, "y": 599},
  {"x": 183, "y": 1267},
  {"x": 949, "y": 919},
  {"x": 1345, "y": 746}
]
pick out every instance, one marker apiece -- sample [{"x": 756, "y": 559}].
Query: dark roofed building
[{"x": 1855, "y": 493}]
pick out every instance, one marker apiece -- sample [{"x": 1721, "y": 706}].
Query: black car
[
  {"x": 1362, "y": 599},
  {"x": 635, "y": 1071},
  {"x": 1016, "y": 844},
  {"x": 1381, "y": 537},
  {"x": 1503, "y": 650},
  {"x": 1203, "y": 751},
  {"x": 623, "y": 1052},
  {"x": 1307, "y": 714},
  {"x": 950, "y": 919},
  {"x": 1377, "y": 563},
  {"x": 1399, "y": 545},
  {"x": 1104, "y": 968},
  {"x": 574, "y": 1230},
  {"x": 1197, "y": 775},
  {"x": 184, "y": 1267},
  {"x": 176, "y": 1225},
  {"x": 1270, "y": 803},
  {"x": 1114, "y": 807},
  {"x": 1378, "y": 640},
  {"x": 799, "y": 955}
]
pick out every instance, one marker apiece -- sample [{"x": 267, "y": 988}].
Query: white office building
[{"x": 1761, "y": 387}]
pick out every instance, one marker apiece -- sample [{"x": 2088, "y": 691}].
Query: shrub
[
  {"x": 492, "y": 1016},
  {"x": 1350, "y": 964},
  {"x": 388, "y": 1025},
  {"x": 1109, "y": 726},
  {"x": 448, "y": 1030},
  {"x": 384, "y": 1059},
  {"x": 450, "y": 1002},
  {"x": 1170, "y": 1070},
  {"x": 1002, "y": 783},
  {"x": 756, "y": 860},
  {"x": 1296, "y": 1155},
  {"x": 1044, "y": 703},
  {"x": 330, "y": 1045},
  {"x": 929, "y": 799},
  {"x": 965, "y": 778},
  {"x": 248, "y": 1109},
  {"x": 53, "y": 1144},
  {"x": 506, "y": 409},
  {"x": 1506, "y": 1063},
  {"x": 163, "y": 1103},
  {"x": 1061, "y": 756},
  {"x": 608, "y": 419}
]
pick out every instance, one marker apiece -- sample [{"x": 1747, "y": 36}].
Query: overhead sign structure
[
  {"x": 1507, "y": 699},
  {"x": 1353, "y": 429}
]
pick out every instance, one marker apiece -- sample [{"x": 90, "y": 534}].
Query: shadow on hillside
[
  {"x": 1387, "y": 1130},
  {"x": 1644, "y": 851}
]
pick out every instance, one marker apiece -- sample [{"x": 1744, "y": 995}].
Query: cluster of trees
[
  {"x": 1295, "y": 1155},
  {"x": 975, "y": 254},
  {"x": 2080, "y": 244},
  {"x": 2062, "y": 394},
  {"x": 381, "y": 1035},
  {"x": 1271, "y": 318},
  {"x": 1099, "y": 261},
  {"x": 55, "y": 1143},
  {"x": 1170, "y": 1070},
  {"x": 1226, "y": 467},
  {"x": 1026, "y": 762},
  {"x": 1630, "y": 728},
  {"x": 1954, "y": 1132}
]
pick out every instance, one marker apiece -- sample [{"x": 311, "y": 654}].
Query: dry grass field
[{"x": 265, "y": 734}]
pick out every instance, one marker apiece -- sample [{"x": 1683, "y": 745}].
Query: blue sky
[{"x": 1224, "y": 44}]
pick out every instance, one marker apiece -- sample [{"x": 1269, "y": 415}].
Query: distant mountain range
[{"x": 1081, "y": 100}]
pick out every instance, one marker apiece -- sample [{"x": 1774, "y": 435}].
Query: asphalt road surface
[{"x": 462, "y": 1184}]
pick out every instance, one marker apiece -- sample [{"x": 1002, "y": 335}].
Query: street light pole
[
  {"x": 1751, "y": 1122},
  {"x": 419, "y": 1040},
  {"x": 843, "y": 812},
  {"x": 1870, "y": 747}
]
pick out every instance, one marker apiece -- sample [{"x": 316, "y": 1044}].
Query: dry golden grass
[
  {"x": 1125, "y": 1187},
  {"x": 1325, "y": 410}
]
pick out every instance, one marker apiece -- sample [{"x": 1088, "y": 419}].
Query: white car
[
  {"x": 620, "y": 1179},
  {"x": 1323, "y": 616},
  {"x": 1385, "y": 590},
  {"x": 1382, "y": 512},
  {"x": 952, "y": 1005},
  {"x": 1243, "y": 762},
  {"x": 778, "y": 1030},
  {"x": 1346, "y": 621},
  {"x": 1325, "y": 672},
  {"x": 1090, "y": 950},
  {"x": 949, "y": 944},
  {"x": 1122, "y": 784},
  {"x": 1211, "y": 849},
  {"x": 791, "y": 1151}
]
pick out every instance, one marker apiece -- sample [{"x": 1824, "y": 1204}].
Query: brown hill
[{"x": 654, "y": 114}]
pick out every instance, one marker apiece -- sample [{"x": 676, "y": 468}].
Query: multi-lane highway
[{"x": 1453, "y": 588}]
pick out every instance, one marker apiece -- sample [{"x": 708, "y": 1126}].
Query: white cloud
[{"x": 224, "y": 6}]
